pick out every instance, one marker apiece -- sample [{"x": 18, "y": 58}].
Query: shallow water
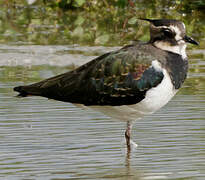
[{"x": 47, "y": 139}]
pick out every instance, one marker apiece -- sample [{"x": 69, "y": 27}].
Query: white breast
[{"x": 157, "y": 97}]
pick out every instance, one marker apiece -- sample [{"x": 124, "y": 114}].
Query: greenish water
[
  {"x": 96, "y": 22},
  {"x": 46, "y": 139}
]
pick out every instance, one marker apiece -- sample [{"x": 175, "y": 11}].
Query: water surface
[{"x": 47, "y": 139}]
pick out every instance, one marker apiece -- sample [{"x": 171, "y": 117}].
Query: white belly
[{"x": 155, "y": 98}]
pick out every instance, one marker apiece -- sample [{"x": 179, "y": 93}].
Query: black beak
[
  {"x": 145, "y": 19},
  {"x": 190, "y": 40}
]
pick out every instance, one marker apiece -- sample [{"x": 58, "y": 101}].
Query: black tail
[
  {"x": 46, "y": 88},
  {"x": 26, "y": 91},
  {"x": 22, "y": 93}
]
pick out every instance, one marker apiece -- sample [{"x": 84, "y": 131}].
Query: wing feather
[{"x": 117, "y": 78}]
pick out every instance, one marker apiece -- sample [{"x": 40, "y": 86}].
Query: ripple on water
[{"x": 47, "y": 139}]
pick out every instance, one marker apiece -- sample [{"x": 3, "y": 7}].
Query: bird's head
[{"x": 169, "y": 35}]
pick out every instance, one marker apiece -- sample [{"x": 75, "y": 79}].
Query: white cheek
[
  {"x": 178, "y": 37},
  {"x": 184, "y": 25},
  {"x": 177, "y": 31},
  {"x": 183, "y": 50}
]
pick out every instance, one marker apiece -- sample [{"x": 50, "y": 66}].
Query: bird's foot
[{"x": 133, "y": 144}]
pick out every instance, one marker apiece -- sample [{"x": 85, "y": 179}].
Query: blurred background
[{"x": 92, "y": 22}]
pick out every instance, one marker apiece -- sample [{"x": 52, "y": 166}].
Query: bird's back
[{"x": 117, "y": 78}]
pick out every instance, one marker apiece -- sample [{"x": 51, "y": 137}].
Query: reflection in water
[
  {"x": 47, "y": 22},
  {"x": 47, "y": 139}
]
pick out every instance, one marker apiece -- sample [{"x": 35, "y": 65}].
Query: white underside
[{"x": 155, "y": 98}]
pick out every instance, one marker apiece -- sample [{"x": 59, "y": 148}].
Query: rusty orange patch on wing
[{"x": 139, "y": 70}]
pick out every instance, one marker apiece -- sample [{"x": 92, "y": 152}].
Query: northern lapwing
[{"x": 129, "y": 83}]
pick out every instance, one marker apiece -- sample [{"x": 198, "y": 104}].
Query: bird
[{"x": 128, "y": 83}]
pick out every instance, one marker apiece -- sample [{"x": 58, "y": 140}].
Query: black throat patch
[{"x": 177, "y": 68}]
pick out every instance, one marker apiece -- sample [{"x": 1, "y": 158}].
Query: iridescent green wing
[{"x": 117, "y": 78}]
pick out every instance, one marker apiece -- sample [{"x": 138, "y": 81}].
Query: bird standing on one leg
[{"x": 128, "y": 83}]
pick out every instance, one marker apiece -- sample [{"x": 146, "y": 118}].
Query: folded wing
[{"x": 118, "y": 78}]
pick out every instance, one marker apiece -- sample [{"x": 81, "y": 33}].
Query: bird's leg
[{"x": 127, "y": 136}]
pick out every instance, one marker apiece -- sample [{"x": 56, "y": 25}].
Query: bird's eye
[{"x": 168, "y": 33}]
